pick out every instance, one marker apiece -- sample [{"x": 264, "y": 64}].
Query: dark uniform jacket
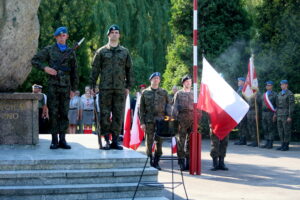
[
  {"x": 285, "y": 104},
  {"x": 114, "y": 66},
  {"x": 67, "y": 73},
  {"x": 183, "y": 102},
  {"x": 154, "y": 105}
]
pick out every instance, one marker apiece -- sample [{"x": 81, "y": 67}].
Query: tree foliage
[
  {"x": 223, "y": 38},
  {"x": 144, "y": 31}
]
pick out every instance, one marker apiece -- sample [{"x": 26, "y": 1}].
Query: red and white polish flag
[
  {"x": 224, "y": 106},
  {"x": 127, "y": 123},
  {"x": 137, "y": 134},
  {"x": 251, "y": 84},
  {"x": 174, "y": 145}
]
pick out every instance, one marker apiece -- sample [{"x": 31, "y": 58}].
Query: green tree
[{"x": 223, "y": 38}]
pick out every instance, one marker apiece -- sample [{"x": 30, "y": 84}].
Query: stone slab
[{"x": 19, "y": 118}]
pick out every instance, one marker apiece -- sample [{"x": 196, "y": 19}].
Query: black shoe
[
  {"x": 181, "y": 164},
  {"x": 64, "y": 145},
  {"x": 266, "y": 144},
  {"x": 280, "y": 148},
  {"x": 156, "y": 162},
  {"x": 285, "y": 147},
  {"x": 115, "y": 145},
  {"x": 187, "y": 164},
  {"x": 54, "y": 146},
  {"x": 106, "y": 146},
  {"x": 215, "y": 164},
  {"x": 151, "y": 161},
  {"x": 252, "y": 144},
  {"x": 270, "y": 146},
  {"x": 221, "y": 164}
]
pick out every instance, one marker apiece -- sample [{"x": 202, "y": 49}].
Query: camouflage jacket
[
  {"x": 285, "y": 104},
  {"x": 114, "y": 66},
  {"x": 272, "y": 97},
  {"x": 154, "y": 105},
  {"x": 183, "y": 102},
  {"x": 51, "y": 56}
]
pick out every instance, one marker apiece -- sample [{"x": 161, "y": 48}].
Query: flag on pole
[
  {"x": 127, "y": 123},
  {"x": 251, "y": 84},
  {"x": 224, "y": 106},
  {"x": 137, "y": 134},
  {"x": 174, "y": 145}
]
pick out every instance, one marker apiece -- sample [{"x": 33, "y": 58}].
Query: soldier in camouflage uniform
[
  {"x": 153, "y": 108},
  {"x": 113, "y": 63},
  {"x": 243, "y": 124},
  {"x": 285, "y": 103},
  {"x": 183, "y": 113},
  {"x": 62, "y": 80},
  {"x": 218, "y": 151},
  {"x": 251, "y": 119},
  {"x": 268, "y": 111}
]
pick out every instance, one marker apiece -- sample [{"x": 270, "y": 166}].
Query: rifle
[
  {"x": 57, "y": 66},
  {"x": 97, "y": 124}
]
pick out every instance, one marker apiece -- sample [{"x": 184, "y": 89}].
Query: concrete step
[
  {"x": 7, "y": 165},
  {"x": 79, "y": 191},
  {"x": 85, "y": 176}
]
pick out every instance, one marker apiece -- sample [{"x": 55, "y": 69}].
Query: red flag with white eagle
[
  {"x": 251, "y": 84},
  {"x": 223, "y": 105},
  {"x": 137, "y": 134},
  {"x": 127, "y": 123}
]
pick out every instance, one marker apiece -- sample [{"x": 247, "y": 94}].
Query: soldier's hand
[
  {"x": 50, "y": 71},
  {"x": 143, "y": 127},
  {"x": 289, "y": 120}
]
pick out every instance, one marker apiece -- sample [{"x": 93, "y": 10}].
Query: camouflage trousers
[
  {"x": 58, "y": 104},
  {"x": 251, "y": 125},
  {"x": 242, "y": 126},
  {"x": 151, "y": 138},
  {"x": 269, "y": 127},
  {"x": 218, "y": 147},
  {"x": 284, "y": 128},
  {"x": 184, "y": 132},
  {"x": 112, "y": 112}
]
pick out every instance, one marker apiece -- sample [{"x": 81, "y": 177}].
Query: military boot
[
  {"x": 252, "y": 144},
  {"x": 285, "y": 147},
  {"x": 266, "y": 144},
  {"x": 280, "y": 148},
  {"x": 222, "y": 164},
  {"x": 151, "y": 161},
  {"x": 187, "y": 164},
  {"x": 156, "y": 162},
  {"x": 115, "y": 143},
  {"x": 215, "y": 164},
  {"x": 181, "y": 164},
  {"x": 270, "y": 146},
  {"x": 238, "y": 142},
  {"x": 54, "y": 142},
  {"x": 62, "y": 141}
]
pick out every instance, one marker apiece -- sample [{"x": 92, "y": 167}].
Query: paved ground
[{"x": 254, "y": 173}]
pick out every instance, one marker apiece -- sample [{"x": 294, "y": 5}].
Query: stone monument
[{"x": 19, "y": 32}]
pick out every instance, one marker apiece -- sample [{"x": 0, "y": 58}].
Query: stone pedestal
[{"x": 19, "y": 118}]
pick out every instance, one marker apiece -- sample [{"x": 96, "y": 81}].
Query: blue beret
[
  {"x": 269, "y": 83},
  {"x": 60, "y": 30},
  {"x": 241, "y": 79},
  {"x": 283, "y": 82},
  {"x": 153, "y": 75},
  {"x": 113, "y": 27}
]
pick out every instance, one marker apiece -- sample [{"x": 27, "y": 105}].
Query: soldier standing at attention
[
  {"x": 183, "y": 112},
  {"x": 251, "y": 119},
  {"x": 285, "y": 103},
  {"x": 243, "y": 124},
  {"x": 62, "y": 82},
  {"x": 153, "y": 107},
  {"x": 113, "y": 64},
  {"x": 268, "y": 111}
]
